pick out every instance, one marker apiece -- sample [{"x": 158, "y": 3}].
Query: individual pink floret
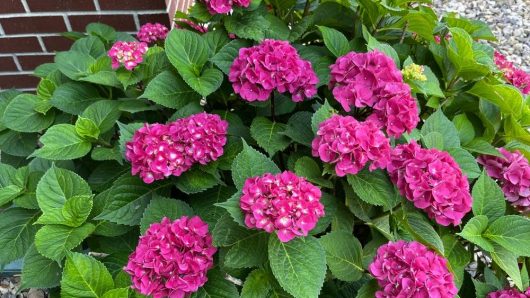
[
  {"x": 350, "y": 145},
  {"x": 409, "y": 269},
  {"x": 432, "y": 180},
  {"x": 172, "y": 258},
  {"x": 509, "y": 293},
  {"x": 284, "y": 203},
  {"x": 224, "y": 6},
  {"x": 272, "y": 65},
  {"x": 150, "y": 33},
  {"x": 515, "y": 76},
  {"x": 128, "y": 54}
]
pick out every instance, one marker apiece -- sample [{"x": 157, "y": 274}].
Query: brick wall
[{"x": 30, "y": 29}]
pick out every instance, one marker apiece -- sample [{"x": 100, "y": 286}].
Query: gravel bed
[
  {"x": 509, "y": 21},
  {"x": 9, "y": 287}
]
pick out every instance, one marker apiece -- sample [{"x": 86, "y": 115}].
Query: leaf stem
[
  {"x": 273, "y": 108},
  {"x": 103, "y": 143},
  {"x": 306, "y": 7},
  {"x": 404, "y": 32}
]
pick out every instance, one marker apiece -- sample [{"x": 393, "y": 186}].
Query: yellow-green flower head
[{"x": 413, "y": 72}]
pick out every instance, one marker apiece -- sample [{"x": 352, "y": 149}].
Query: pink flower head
[
  {"x": 432, "y": 180},
  {"x": 130, "y": 54},
  {"x": 150, "y": 33},
  {"x": 172, "y": 258},
  {"x": 283, "y": 202},
  {"x": 157, "y": 151},
  {"x": 513, "y": 175},
  {"x": 350, "y": 145},
  {"x": 509, "y": 293},
  {"x": 272, "y": 65},
  {"x": 515, "y": 76},
  {"x": 191, "y": 24},
  {"x": 409, "y": 269},
  {"x": 224, "y": 6},
  {"x": 373, "y": 80}
]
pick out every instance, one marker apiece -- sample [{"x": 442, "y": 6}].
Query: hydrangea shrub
[{"x": 272, "y": 149}]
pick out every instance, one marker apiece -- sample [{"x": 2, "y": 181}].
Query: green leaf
[
  {"x": 195, "y": 181},
  {"x": 269, "y": 135},
  {"x": 462, "y": 56},
  {"x": 226, "y": 56},
  {"x": 160, "y": 207},
  {"x": 251, "y": 163},
  {"x": 45, "y": 89},
  {"x": 299, "y": 128},
  {"x": 205, "y": 84},
  {"x": 439, "y": 123},
  {"x": 298, "y": 265},
  {"x": 216, "y": 40},
  {"x": 488, "y": 198},
  {"x": 55, "y": 241},
  {"x": 482, "y": 147},
  {"x": 466, "y": 161},
  {"x": 20, "y": 114},
  {"x": 232, "y": 206},
  {"x": 170, "y": 91},
  {"x": 507, "y": 261},
  {"x": 74, "y": 97},
  {"x": 455, "y": 252},
  {"x": 39, "y": 272},
  {"x": 306, "y": 167},
  {"x": 117, "y": 293},
  {"x": 466, "y": 132},
  {"x": 103, "y": 31},
  {"x": 322, "y": 114},
  {"x": 126, "y": 133},
  {"x": 368, "y": 289},
  {"x": 507, "y": 98},
  {"x": 89, "y": 45},
  {"x": 204, "y": 203},
  {"x": 86, "y": 128},
  {"x": 61, "y": 142},
  {"x": 76, "y": 210},
  {"x": 433, "y": 140},
  {"x": 374, "y": 188},
  {"x": 216, "y": 287},
  {"x": 103, "y": 113},
  {"x": 335, "y": 41},
  {"x": 374, "y": 44},
  {"x": 473, "y": 232},
  {"x": 85, "y": 276},
  {"x": 483, "y": 289},
  {"x": 249, "y": 25},
  {"x": 103, "y": 77},
  {"x": 343, "y": 255},
  {"x": 186, "y": 50},
  {"x": 257, "y": 285},
  {"x": 16, "y": 233},
  {"x": 9, "y": 193},
  {"x": 423, "y": 231},
  {"x": 74, "y": 64},
  {"x": 128, "y": 77},
  {"x": 511, "y": 232}
]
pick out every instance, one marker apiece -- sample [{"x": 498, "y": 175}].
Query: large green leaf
[
  {"x": 16, "y": 233},
  {"x": 439, "y": 123},
  {"x": 257, "y": 285},
  {"x": 217, "y": 286},
  {"x": 39, "y": 271},
  {"x": 507, "y": 261},
  {"x": 126, "y": 133},
  {"x": 104, "y": 113},
  {"x": 308, "y": 168},
  {"x": 74, "y": 64},
  {"x": 374, "y": 188},
  {"x": 20, "y": 115},
  {"x": 462, "y": 56},
  {"x": 85, "y": 276},
  {"x": 507, "y": 98},
  {"x": 74, "y": 97},
  {"x": 61, "y": 142},
  {"x": 251, "y": 163},
  {"x": 159, "y": 208},
  {"x": 249, "y": 25},
  {"x": 322, "y": 114},
  {"x": 269, "y": 135},
  {"x": 423, "y": 231},
  {"x": 299, "y": 128},
  {"x": 466, "y": 161},
  {"x": 335, "y": 41},
  {"x": 488, "y": 198},
  {"x": 298, "y": 265},
  {"x": 90, "y": 45},
  {"x": 473, "y": 231},
  {"x": 170, "y": 91},
  {"x": 55, "y": 241},
  {"x": 17, "y": 143},
  {"x": 343, "y": 255},
  {"x": 511, "y": 232},
  {"x": 204, "y": 203},
  {"x": 206, "y": 83},
  {"x": 226, "y": 56},
  {"x": 195, "y": 181}
]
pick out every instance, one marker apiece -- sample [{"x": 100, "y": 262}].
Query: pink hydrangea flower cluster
[
  {"x": 515, "y": 76},
  {"x": 409, "y": 269},
  {"x": 432, "y": 180},
  {"x": 172, "y": 258},
  {"x": 373, "y": 80},
  {"x": 350, "y": 145},
  {"x": 157, "y": 151},
  {"x": 224, "y": 6},
  {"x": 283, "y": 202},
  {"x": 272, "y": 65},
  {"x": 191, "y": 24},
  {"x": 512, "y": 173},
  {"x": 130, "y": 54},
  {"x": 509, "y": 293},
  {"x": 150, "y": 33}
]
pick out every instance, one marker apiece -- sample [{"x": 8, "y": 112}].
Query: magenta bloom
[
  {"x": 130, "y": 54},
  {"x": 157, "y": 151},
  {"x": 283, "y": 202},
  {"x": 150, "y": 33},
  {"x": 350, "y": 145},
  {"x": 224, "y": 6},
  {"x": 515, "y": 76},
  {"x": 272, "y": 65},
  {"x": 509, "y": 293},
  {"x": 411, "y": 270},
  {"x": 373, "y": 80},
  {"x": 432, "y": 180},
  {"x": 513, "y": 175},
  {"x": 172, "y": 258}
]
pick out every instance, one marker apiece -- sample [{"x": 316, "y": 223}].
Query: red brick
[
  {"x": 31, "y": 62},
  {"x": 11, "y": 6},
  {"x": 132, "y": 4},
  {"x": 60, "y": 5},
  {"x": 7, "y": 64},
  {"x": 57, "y": 43},
  {"x": 33, "y": 24},
  {"x": 162, "y": 18},
  {"x": 18, "y": 81},
  {"x": 119, "y": 22},
  {"x": 19, "y": 44}
]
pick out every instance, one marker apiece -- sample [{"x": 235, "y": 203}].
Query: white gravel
[{"x": 509, "y": 21}]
